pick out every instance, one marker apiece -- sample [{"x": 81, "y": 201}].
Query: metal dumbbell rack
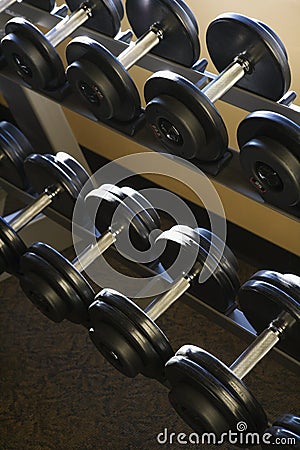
[{"x": 34, "y": 112}]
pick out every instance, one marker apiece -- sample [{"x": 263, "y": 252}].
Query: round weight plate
[
  {"x": 217, "y": 291},
  {"x": 231, "y": 382},
  {"x": 71, "y": 276},
  {"x": 227, "y": 260},
  {"x": 14, "y": 148},
  {"x": 180, "y": 41},
  {"x": 96, "y": 74},
  {"x": 183, "y": 119},
  {"x": 47, "y": 290},
  {"x": 106, "y": 15},
  {"x": 67, "y": 170},
  {"x": 2, "y": 58},
  {"x": 270, "y": 156},
  {"x": 11, "y": 248},
  {"x": 112, "y": 198},
  {"x": 143, "y": 208},
  {"x": 46, "y": 5},
  {"x": 287, "y": 283},
  {"x": 118, "y": 329},
  {"x": 241, "y": 36},
  {"x": 154, "y": 335},
  {"x": 213, "y": 408},
  {"x": 258, "y": 296},
  {"x": 42, "y": 173},
  {"x": 290, "y": 422},
  {"x": 31, "y": 55},
  {"x": 66, "y": 160}
]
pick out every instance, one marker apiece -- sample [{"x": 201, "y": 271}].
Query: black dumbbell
[
  {"x": 128, "y": 336},
  {"x": 59, "y": 179},
  {"x": 270, "y": 156},
  {"x": 33, "y": 55},
  {"x": 55, "y": 285},
  {"x": 165, "y": 28},
  {"x": 183, "y": 117},
  {"x": 211, "y": 397},
  {"x": 14, "y": 149},
  {"x": 285, "y": 431}
]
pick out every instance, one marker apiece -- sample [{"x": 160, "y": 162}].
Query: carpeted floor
[{"x": 57, "y": 392}]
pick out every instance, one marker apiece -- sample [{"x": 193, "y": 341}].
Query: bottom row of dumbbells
[{"x": 209, "y": 396}]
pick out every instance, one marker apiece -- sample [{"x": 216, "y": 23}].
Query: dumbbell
[
  {"x": 59, "y": 179},
  {"x": 55, "y": 285},
  {"x": 183, "y": 117},
  {"x": 33, "y": 55},
  {"x": 165, "y": 28},
  {"x": 270, "y": 156},
  {"x": 211, "y": 397},
  {"x": 128, "y": 336},
  {"x": 285, "y": 431},
  {"x": 14, "y": 148}
]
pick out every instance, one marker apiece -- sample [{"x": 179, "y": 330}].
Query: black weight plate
[
  {"x": 154, "y": 335},
  {"x": 67, "y": 160},
  {"x": 274, "y": 140},
  {"x": 228, "y": 379},
  {"x": 183, "y": 119},
  {"x": 46, "y": 288},
  {"x": 233, "y": 35},
  {"x": 67, "y": 170},
  {"x": 213, "y": 408},
  {"x": 262, "y": 303},
  {"x": 69, "y": 274},
  {"x": 106, "y": 15},
  {"x": 290, "y": 422},
  {"x": 96, "y": 74},
  {"x": 14, "y": 147},
  {"x": 11, "y": 248},
  {"x": 46, "y": 5},
  {"x": 32, "y": 56},
  {"x": 217, "y": 291},
  {"x": 180, "y": 41},
  {"x": 227, "y": 260},
  {"x": 122, "y": 329},
  {"x": 111, "y": 198},
  {"x": 42, "y": 172},
  {"x": 147, "y": 213},
  {"x": 285, "y": 282}
]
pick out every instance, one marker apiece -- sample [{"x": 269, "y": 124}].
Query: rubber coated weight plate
[
  {"x": 212, "y": 408},
  {"x": 154, "y": 335},
  {"x": 71, "y": 276},
  {"x": 68, "y": 161},
  {"x": 46, "y": 289},
  {"x": 232, "y": 35},
  {"x": 112, "y": 198},
  {"x": 106, "y": 15},
  {"x": 285, "y": 282},
  {"x": 15, "y": 148},
  {"x": 147, "y": 213},
  {"x": 217, "y": 291},
  {"x": 290, "y": 422},
  {"x": 119, "y": 329},
  {"x": 287, "y": 429},
  {"x": 42, "y": 173},
  {"x": 102, "y": 81},
  {"x": 270, "y": 156},
  {"x": 180, "y": 41},
  {"x": 227, "y": 378},
  {"x": 31, "y": 55},
  {"x": 185, "y": 121},
  {"x": 270, "y": 301},
  {"x": 11, "y": 248},
  {"x": 46, "y": 5}
]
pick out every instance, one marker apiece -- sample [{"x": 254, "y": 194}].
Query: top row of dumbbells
[{"x": 252, "y": 53}]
